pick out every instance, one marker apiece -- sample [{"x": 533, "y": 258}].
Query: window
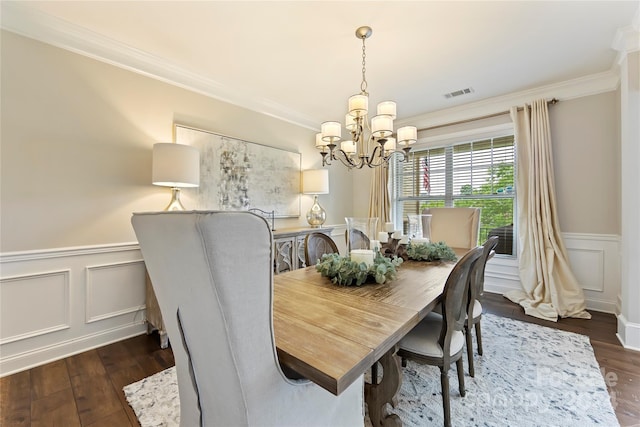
[{"x": 471, "y": 174}]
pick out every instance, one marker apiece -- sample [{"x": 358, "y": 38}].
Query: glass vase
[
  {"x": 420, "y": 228},
  {"x": 361, "y": 232}
]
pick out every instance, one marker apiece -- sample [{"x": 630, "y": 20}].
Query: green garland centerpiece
[
  {"x": 431, "y": 252},
  {"x": 342, "y": 271}
]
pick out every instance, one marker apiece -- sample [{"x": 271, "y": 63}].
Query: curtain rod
[{"x": 552, "y": 101}]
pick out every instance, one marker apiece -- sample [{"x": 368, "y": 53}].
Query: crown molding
[
  {"x": 48, "y": 29},
  {"x": 576, "y": 88},
  {"x": 627, "y": 39},
  {"x": 40, "y": 26}
]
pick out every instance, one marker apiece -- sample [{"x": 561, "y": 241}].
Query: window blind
[{"x": 475, "y": 174}]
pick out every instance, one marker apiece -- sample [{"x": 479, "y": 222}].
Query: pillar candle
[
  {"x": 419, "y": 240},
  {"x": 404, "y": 240},
  {"x": 362, "y": 255},
  {"x": 388, "y": 227},
  {"x": 383, "y": 237}
]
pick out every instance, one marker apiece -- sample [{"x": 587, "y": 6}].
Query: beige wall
[
  {"x": 76, "y": 142},
  {"x": 586, "y": 149}
]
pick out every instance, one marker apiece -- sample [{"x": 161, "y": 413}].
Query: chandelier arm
[
  {"x": 404, "y": 152},
  {"x": 381, "y": 157},
  {"x": 325, "y": 162},
  {"x": 345, "y": 159}
]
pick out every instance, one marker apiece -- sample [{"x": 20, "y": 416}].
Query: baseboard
[
  {"x": 628, "y": 333},
  {"x": 601, "y": 305},
  {"x": 40, "y": 356},
  {"x": 498, "y": 285}
]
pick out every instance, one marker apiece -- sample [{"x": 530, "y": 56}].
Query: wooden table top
[{"x": 332, "y": 334}]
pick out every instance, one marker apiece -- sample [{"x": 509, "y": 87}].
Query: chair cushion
[
  {"x": 423, "y": 338},
  {"x": 477, "y": 309}
]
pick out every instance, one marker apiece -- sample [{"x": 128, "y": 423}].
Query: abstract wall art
[{"x": 240, "y": 175}]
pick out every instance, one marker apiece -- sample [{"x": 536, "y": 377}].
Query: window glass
[{"x": 470, "y": 174}]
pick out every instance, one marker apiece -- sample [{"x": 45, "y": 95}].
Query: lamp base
[
  {"x": 316, "y": 215},
  {"x": 175, "y": 204}
]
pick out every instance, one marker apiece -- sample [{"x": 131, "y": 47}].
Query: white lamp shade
[
  {"x": 320, "y": 143},
  {"x": 387, "y": 108},
  {"x": 381, "y": 126},
  {"x": 349, "y": 122},
  {"x": 315, "y": 181},
  {"x": 348, "y": 147},
  {"x": 358, "y": 105},
  {"x": 331, "y": 131},
  {"x": 407, "y": 135},
  {"x": 175, "y": 165},
  {"x": 390, "y": 145}
]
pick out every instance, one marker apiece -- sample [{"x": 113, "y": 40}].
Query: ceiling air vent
[{"x": 458, "y": 93}]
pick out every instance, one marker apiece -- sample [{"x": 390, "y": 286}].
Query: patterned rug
[{"x": 529, "y": 376}]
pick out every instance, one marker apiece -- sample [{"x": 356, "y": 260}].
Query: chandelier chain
[{"x": 363, "y": 85}]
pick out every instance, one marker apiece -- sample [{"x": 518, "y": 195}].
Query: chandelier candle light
[{"x": 377, "y": 145}]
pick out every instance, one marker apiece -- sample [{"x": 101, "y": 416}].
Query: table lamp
[
  {"x": 315, "y": 181},
  {"x": 175, "y": 166}
]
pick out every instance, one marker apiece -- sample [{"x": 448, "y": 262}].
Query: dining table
[{"x": 332, "y": 334}]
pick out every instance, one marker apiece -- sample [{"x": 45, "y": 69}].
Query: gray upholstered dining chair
[
  {"x": 438, "y": 339},
  {"x": 213, "y": 277},
  {"x": 474, "y": 306},
  {"x": 317, "y": 244},
  {"x": 457, "y": 227}
]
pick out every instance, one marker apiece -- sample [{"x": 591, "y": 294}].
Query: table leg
[{"x": 380, "y": 394}]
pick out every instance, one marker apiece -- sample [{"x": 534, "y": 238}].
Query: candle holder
[
  {"x": 392, "y": 247},
  {"x": 420, "y": 227},
  {"x": 360, "y": 232}
]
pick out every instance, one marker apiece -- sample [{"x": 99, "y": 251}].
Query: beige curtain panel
[
  {"x": 549, "y": 287},
  {"x": 379, "y": 204}
]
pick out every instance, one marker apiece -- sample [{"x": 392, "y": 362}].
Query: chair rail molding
[{"x": 63, "y": 301}]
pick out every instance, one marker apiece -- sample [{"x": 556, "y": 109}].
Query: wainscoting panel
[
  {"x": 594, "y": 259},
  {"x": 589, "y": 268},
  {"x": 46, "y": 314},
  {"x": 59, "y": 302},
  {"x": 112, "y": 289}
]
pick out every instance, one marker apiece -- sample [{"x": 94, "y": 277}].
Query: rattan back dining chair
[{"x": 317, "y": 244}]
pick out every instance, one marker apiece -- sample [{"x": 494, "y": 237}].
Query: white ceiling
[{"x": 301, "y": 60}]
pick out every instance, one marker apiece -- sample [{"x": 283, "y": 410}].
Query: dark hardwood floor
[{"x": 86, "y": 389}]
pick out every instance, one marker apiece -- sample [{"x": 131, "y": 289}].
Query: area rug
[{"x": 529, "y": 376}]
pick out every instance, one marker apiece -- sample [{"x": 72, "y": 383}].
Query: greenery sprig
[
  {"x": 342, "y": 271},
  {"x": 431, "y": 252}
]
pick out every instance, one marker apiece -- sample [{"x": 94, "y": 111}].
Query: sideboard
[{"x": 288, "y": 248}]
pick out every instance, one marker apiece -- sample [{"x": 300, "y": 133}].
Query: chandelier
[{"x": 372, "y": 143}]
